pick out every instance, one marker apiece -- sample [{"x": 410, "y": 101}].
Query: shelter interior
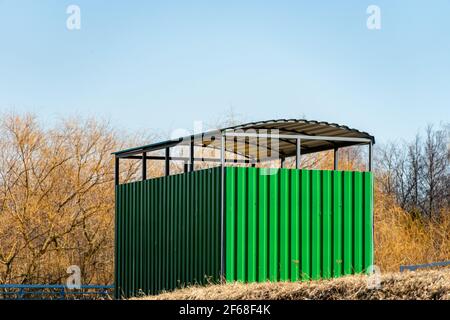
[{"x": 250, "y": 144}]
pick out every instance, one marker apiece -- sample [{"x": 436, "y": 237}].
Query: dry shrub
[
  {"x": 402, "y": 238},
  {"x": 427, "y": 285},
  {"x": 57, "y": 203},
  {"x": 57, "y": 200}
]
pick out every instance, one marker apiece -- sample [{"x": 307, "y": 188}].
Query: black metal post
[
  {"x": 336, "y": 158},
  {"x": 144, "y": 166},
  {"x": 222, "y": 207},
  {"x": 116, "y": 270},
  {"x": 116, "y": 172},
  {"x": 167, "y": 160},
  {"x": 191, "y": 164}
]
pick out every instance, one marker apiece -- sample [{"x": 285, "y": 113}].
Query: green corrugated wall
[
  {"x": 168, "y": 232},
  {"x": 285, "y": 224},
  {"x": 280, "y": 224}
]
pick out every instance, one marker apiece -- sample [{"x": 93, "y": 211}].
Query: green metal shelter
[{"x": 247, "y": 217}]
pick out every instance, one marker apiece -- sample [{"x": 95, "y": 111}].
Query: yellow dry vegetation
[
  {"x": 57, "y": 203},
  {"x": 404, "y": 239},
  {"x": 56, "y": 200},
  {"x": 426, "y": 285}
]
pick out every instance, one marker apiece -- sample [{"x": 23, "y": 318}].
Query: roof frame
[{"x": 293, "y": 136}]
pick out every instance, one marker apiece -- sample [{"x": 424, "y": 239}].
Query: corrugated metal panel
[
  {"x": 168, "y": 232},
  {"x": 285, "y": 126},
  {"x": 279, "y": 225},
  {"x": 296, "y": 224}
]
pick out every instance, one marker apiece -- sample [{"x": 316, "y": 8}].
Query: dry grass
[
  {"x": 420, "y": 285},
  {"x": 401, "y": 239}
]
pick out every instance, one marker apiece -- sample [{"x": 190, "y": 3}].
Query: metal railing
[
  {"x": 54, "y": 292},
  {"x": 425, "y": 265}
]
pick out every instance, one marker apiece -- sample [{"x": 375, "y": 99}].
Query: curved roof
[
  {"x": 308, "y": 128},
  {"x": 315, "y": 134},
  {"x": 302, "y": 126}
]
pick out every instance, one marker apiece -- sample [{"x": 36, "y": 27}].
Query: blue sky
[{"x": 161, "y": 65}]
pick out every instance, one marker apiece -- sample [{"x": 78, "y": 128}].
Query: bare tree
[
  {"x": 436, "y": 171},
  {"x": 417, "y": 173},
  {"x": 56, "y": 199}
]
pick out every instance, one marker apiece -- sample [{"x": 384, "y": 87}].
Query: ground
[{"x": 428, "y": 285}]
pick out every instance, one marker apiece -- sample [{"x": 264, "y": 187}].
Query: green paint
[
  {"x": 337, "y": 224},
  {"x": 295, "y": 226},
  {"x": 306, "y": 224},
  {"x": 263, "y": 225},
  {"x": 358, "y": 221},
  {"x": 368, "y": 218},
  {"x": 241, "y": 225},
  {"x": 273, "y": 226},
  {"x": 348, "y": 223},
  {"x": 279, "y": 225},
  {"x": 230, "y": 260},
  {"x": 326, "y": 225},
  {"x": 252, "y": 224},
  {"x": 284, "y": 224},
  {"x": 162, "y": 233},
  {"x": 316, "y": 225}
]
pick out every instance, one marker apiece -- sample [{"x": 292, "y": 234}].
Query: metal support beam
[
  {"x": 186, "y": 167},
  {"x": 371, "y": 209},
  {"x": 336, "y": 159},
  {"x": 297, "y": 136},
  {"x": 191, "y": 155},
  {"x": 167, "y": 160},
  {"x": 144, "y": 166},
  {"x": 149, "y": 148},
  {"x": 185, "y": 159},
  {"x": 117, "y": 172},
  {"x": 222, "y": 152},
  {"x": 222, "y": 209},
  {"x": 298, "y": 153}
]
